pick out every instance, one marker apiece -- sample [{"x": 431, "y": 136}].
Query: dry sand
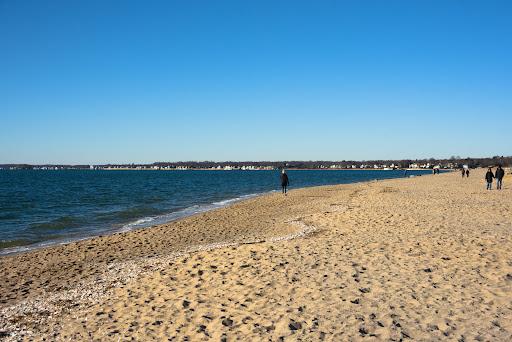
[{"x": 425, "y": 258}]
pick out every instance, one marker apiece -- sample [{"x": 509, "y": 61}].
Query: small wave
[
  {"x": 128, "y": 214},
  {"x": 233, "y": 200},
  {"x": 138, "y": 223},
  {"x": 173, "y": 216}
]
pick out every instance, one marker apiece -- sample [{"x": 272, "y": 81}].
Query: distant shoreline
[{"x": 203, "y": 169}]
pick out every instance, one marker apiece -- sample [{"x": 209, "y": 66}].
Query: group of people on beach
[{"x": 489, "y": 176}]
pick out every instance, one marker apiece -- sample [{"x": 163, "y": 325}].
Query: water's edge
[
  {"x": 145, "y": 222},
  {"x": 151, "y": 221}
]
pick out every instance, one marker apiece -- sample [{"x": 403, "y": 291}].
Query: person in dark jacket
[
  {"x": 488, "y": 177},
  {"x": 467, "y": 172},
  {"x": 463, "y": 172},
  {"x": 500, "y": 173},
  {"x": 284, "y": 181}
]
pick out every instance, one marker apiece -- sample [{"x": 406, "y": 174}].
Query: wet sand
[{"x": 425, "y": 258}]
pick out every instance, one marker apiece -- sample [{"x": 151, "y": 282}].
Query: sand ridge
[{"x": 425, "y": 258}]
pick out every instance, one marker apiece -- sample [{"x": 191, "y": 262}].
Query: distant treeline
[{"x": 453, "y": 162}]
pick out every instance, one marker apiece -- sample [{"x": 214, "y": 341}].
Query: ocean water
[{"x": 39, "y": 208}]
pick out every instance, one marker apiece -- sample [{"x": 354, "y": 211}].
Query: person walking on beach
[
  {"x": 284, "y": 181},
  {"x": 500, "y": 173},
  {"x": 467, "y": 173},
  {"x": 463, "y": 172},
  {"x": 488, "y": 177}
]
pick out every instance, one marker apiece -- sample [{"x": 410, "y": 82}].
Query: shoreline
[
  {"x": 134, "y": 225},
  {"x": 372, "y": 247},
  {"x": 140, "y": 223}
]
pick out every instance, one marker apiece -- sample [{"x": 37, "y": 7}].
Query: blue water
[{"x": 39, "y": 208}]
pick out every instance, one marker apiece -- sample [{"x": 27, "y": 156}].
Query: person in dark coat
[
  {"x": 467, "y": 173},
  {"x": 463, "y": 172},
  {"x": 284, "y": 181},
  {"x": 488, "y": 177},
  {"x": 500, "y": 173}
]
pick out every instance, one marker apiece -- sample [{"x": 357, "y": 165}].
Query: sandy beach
[{"x": 424, "y": 258}]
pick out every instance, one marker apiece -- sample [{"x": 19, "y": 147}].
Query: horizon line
[{"x": 257, "y": 161}]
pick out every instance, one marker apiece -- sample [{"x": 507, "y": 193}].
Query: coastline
[
  {"x": 350, "y": 229},
  {"x": 141, "y": 223},
  {"x": 250, "y": 170},
  {"x": 148, "y": 221}
]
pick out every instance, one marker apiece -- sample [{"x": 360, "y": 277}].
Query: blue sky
[{"x": 144, "y": 81}]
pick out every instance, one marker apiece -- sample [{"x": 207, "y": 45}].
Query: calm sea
[{"x": 39, "y": 208}]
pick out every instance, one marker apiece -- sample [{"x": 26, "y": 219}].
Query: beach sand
[{"x": 424, "y": 258}]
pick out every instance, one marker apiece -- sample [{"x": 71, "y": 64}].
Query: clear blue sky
[{"x": 143, "y": 81}]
